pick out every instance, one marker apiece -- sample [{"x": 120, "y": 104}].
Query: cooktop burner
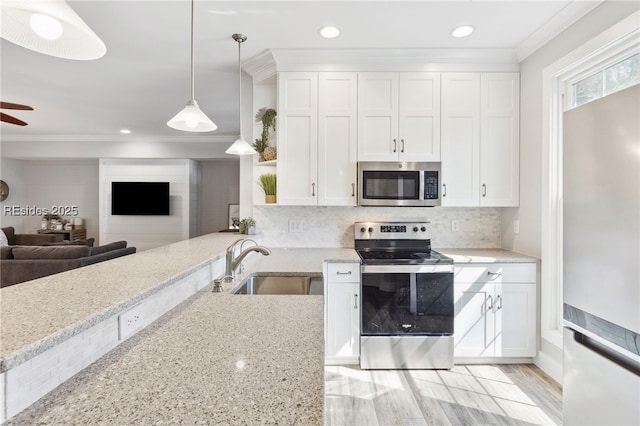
[{"x": 402, "y": 257}]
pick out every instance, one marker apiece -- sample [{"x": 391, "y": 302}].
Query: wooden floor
[{"x": 466, "y": 395}]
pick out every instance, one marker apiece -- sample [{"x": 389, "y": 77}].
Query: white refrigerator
[{"x": 601, "y": 261}]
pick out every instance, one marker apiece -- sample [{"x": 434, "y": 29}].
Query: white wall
[
  {"x": 49, "y": 184},
  {"x": 14, "y": 174},
  {"x": 219, "y": 187},
  {"x": 529, "y": 212},
  {"x": 531, "y": 162},
  {"x": 146, "y": 232},
  {"x": 333, "y": 226}
]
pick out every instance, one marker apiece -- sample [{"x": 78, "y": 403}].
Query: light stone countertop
[
  {"x": 483, "y": 255},
  {"x": 217, "y": 358}
]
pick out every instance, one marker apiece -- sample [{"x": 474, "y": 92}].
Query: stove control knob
[
  {"x": 363, "y": 229},
  {"x": 370, "y": 230},
  {"x": 415, "y": 229},
  {"x": 423, "y": 229}
]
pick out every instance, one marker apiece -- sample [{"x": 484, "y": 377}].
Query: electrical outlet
[
  {"x": 454, "y": 225},
  {"x": 129, "y": 322},
  {"x": 296, "y": 225},
  {"x": 516, "y": 226}
]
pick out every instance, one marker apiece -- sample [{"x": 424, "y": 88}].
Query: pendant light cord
[
  {"x": 193, "y": 90},
  {"x": 239, "y": 87}
]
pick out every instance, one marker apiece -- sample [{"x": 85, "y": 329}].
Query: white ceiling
[{"x": 144, "y": 78}]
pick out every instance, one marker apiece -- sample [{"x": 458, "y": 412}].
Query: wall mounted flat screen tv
[{"x": 140, "y": 198}]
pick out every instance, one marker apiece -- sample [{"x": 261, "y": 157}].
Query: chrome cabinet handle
[
  {"x": 444, "y": 189},
  {"x": 395, "y": 145},
  {"x": 484, "y": 190},
  {"x": 402, "y": 147},
  {"x": 343, "y": 273},
  {"x": 313, "y": 189},
  {"x": 494, "y": 274},
  {"x": 353, "y": 189},
  {"x": 355, "y": 301},
  {"x": 490, "y": 307},
  {"x": 499, "y": 302}
]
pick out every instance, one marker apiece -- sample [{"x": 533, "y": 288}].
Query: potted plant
[
  {"x": 269, "y": 186},
  {"x": 268, "y": 118},
  {"x": 248, "y": 226}
]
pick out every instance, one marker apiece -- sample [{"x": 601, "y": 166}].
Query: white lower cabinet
[
  {"x": 342, "y": 313},
  {"x": 495, "y": 310}
]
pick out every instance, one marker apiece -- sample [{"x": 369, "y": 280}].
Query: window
[{"x": 609, "y": 80}]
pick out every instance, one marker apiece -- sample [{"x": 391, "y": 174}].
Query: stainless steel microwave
[{"x": 398, "y": 184}]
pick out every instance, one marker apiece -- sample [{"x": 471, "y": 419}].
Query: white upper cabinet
[
  {"x": 480, "y": 139},
  {"x": 499, "y": 136},
  {"x": 297, "y": 138},
  {"x": 460, "y": 139},
  {"x": 317, "y": 132},
  {"x": 398, "y": 116},
  {"x": 337, "y": 139}
]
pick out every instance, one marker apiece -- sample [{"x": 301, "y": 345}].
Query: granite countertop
[
  {"x": 484, "y": 255},
  {"x": 217, "y": 358},
  {"x": 38, "y": 314}
]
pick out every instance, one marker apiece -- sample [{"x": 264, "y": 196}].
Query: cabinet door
[
  {"x": 337, "y": 144},
  {"x": 515, "y": 312},
  {"x": 499, "y": 139},
  {"x": 460, "y": 139},
  {"x": 297, "y": 138},
  {"x": 377, "y": 116},
  {"x": 474, "y": 323},
  {"x": 343, "y": 321},
  {"x": 419, "y": 117}
]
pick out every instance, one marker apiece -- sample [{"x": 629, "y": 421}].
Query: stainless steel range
[{"x": 407, "y": 297}]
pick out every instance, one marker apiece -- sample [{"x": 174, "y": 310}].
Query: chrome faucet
[{"x": 232, "y": 262}]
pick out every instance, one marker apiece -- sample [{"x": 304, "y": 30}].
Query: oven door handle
[{"x": 407, "y": 269}]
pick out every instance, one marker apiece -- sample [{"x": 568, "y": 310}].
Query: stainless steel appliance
[
  {"x": 601, "y": 261},
  {"x": 407, "y": 297},
  {"x": 398, "y": 184}
]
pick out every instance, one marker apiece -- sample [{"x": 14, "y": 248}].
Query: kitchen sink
[{"x": 281, "y": 284}]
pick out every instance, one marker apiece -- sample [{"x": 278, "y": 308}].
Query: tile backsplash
[{"x": 478, "y": 227}]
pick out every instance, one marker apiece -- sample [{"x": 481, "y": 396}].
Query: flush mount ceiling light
[
  {"x": 50, "y": 27},
  {"x": 462, "y": 31},
  {"x": 191, "y": 118},
  {"x": 240, "y": 146},
  {"x": 329, "y": 32}
]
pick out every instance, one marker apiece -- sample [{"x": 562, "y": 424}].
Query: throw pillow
[{"x": 3, "y": 239}]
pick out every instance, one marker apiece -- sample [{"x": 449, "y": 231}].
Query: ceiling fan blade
[
  {"x": 9, "y": 105},
  {"x": 9, "y": 119}
]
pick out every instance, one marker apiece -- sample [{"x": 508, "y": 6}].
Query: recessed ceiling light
[
  {"x": 462, "y": 31},
  {"x": 329, "y": 32},
  {"x": 125, "y": 131}
]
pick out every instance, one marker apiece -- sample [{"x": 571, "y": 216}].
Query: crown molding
[
  {"x": 566, "y": 17},
  {"x": 260, "y": 67},
  {"x": 118, "y": 138},
  {"x": 268, "y": 63}
]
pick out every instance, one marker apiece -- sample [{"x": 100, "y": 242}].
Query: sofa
[
  {"x": 24, "y": 263},
  {"x": 26, "y": 239}
]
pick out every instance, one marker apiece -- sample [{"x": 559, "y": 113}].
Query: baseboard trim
[{"x": 551, "y": 366}]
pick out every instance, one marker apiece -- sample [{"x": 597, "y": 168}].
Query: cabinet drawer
[
  {"x": 343, "y": 272},
  {"x": 496, "y": 272}
]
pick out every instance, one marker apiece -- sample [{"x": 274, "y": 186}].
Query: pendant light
[
  {"x": 191, "y": 118},
  {"x": 50, "y": 27},
  {"x": 240, "y": 146}
]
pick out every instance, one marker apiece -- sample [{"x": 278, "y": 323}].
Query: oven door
[{"x": 407, "y": 300}]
